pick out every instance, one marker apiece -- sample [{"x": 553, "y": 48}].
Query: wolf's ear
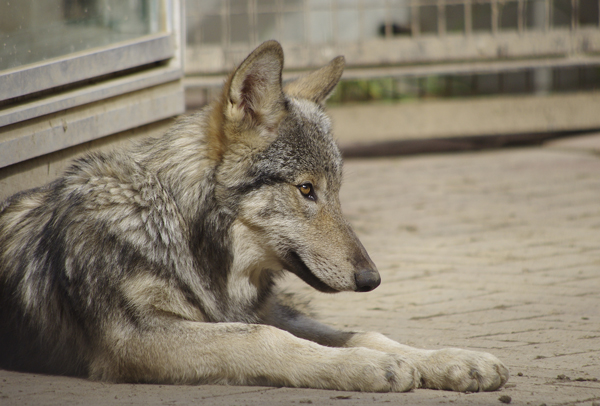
[
  {"x": 318, "y": 85},
  {"x": 254, "y": 90}
]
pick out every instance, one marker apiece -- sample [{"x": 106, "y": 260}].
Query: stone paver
[{"x": 496, "y": 251}]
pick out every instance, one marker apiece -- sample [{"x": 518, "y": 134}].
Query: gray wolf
[{"x": 159, "y": 263}]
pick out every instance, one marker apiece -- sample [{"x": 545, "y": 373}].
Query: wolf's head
[{"x": 281, "y": 170}]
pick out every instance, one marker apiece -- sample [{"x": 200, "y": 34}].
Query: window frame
[{"x": 80, "y": 82}]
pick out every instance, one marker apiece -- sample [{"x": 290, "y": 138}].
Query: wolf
[{"x": 159, "y": 263}]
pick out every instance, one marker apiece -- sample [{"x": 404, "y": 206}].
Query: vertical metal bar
[
  {"x": 574, "y": 14},
  {"x": 361, "y": 20},
  {"x": 252, "y": 17},
  {"x": 307, "y": 39},
  {"x": 387, "y": 23},
  {"x": 333, "y": 12},
  {"x": 199, "y": 39},
  {"x": 468, "y": 9},
  {"x": 225, "y": 42},
  {"x": 441, "y": 18},
  {"x": 414, "y": 24},
  {"x": 495, "y": 17},
  {"x": 279, "y": 18},
  {"x": 539, "y": 17},
  {"x": 520, "y": 16},
  {"x": 548, "y": 23}
]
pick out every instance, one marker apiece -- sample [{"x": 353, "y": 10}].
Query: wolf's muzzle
[{"x": 366, "y": 280}]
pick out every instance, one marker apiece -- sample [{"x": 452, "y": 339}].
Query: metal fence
[
  {"x": 397, "y": 37},
  {"x": 540, "y": 59}
]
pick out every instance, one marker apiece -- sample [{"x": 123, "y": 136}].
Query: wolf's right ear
[
  {"x": 318, "y": 85},
  {"x": 254, "y": 90}
]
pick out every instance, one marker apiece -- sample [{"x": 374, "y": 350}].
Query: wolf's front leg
[
  {"x": 242, "y": 354},
  {"x": 450, "y": 369}
]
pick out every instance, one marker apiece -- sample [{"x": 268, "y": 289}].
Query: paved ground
[{"x": 496, "y": 251}]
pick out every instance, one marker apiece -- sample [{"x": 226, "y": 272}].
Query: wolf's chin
[{"x": 296, "y": 265}]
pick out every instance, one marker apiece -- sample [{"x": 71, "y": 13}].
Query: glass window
[
  {"x": 46, "y": 44},
  {"x": 33, "y": 31}
]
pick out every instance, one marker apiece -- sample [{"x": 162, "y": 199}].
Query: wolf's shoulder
[{"x": 121, "y": 165}]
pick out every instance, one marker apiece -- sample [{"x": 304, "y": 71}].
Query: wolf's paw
[
  {"x": 400, "y": 374},
  {"x": 375, "y": 371},
  {"x": 463, "y": 371}
]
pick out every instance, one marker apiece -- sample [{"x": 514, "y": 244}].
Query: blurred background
[
  {"x": 420, "y": 69},
  {"x": 422, "y": 75},
  {"x": 409, "y": 48}
]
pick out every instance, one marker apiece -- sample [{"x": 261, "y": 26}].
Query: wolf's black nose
[{"x": 366, "y": 280}]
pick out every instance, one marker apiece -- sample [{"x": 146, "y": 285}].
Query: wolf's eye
[{"x": 307, "y": 191}]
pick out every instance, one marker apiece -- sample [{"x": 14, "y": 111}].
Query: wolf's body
[{"x": 158, "y": 264}]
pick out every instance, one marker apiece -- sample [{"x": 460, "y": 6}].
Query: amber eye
[{"x": 307, "y": 191}]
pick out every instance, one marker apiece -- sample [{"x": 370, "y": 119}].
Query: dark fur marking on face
[
  {"x": 259, "y": 180},
  {"x": 294, "y": 264},
  {"x": 301, "y": 147}
]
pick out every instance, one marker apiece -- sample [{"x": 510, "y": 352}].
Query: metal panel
[
  {"x": 89, "y": 94},
  {"x": 85, "y": 65},
  {"x": 54, "y": 132}
]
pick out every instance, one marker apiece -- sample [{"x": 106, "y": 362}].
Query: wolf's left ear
[
  {"x": 318, "y": 85},
  {"x": 254, "y": 89}
]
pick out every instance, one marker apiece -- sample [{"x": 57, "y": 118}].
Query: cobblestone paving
[{"x": 494, "y": 251}]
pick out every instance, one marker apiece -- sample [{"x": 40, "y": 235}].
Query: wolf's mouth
[{"x": 294, "y": 264}]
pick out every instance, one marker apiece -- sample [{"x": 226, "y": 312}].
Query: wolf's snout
[{"x": 366, "y": 280}]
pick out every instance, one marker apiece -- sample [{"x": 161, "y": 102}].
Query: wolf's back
[{"x": 64, "y": 248}]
